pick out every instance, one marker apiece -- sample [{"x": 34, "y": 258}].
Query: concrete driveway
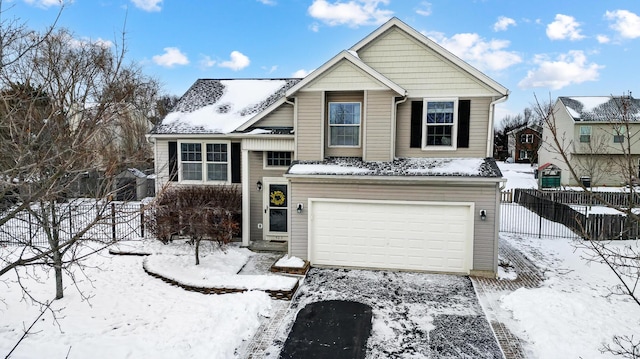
[{"x": 415, "y": 315}]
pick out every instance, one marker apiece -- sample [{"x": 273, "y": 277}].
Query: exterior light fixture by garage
[
  {"x": 299, "y": 208},
  {"x": 259, "y": 186},
  {"x": 483, "y": 214}
]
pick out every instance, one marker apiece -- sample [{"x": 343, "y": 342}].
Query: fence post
[
  {"x": 30, "y": 230},
  {"x": 141, "y": 220},
  {"x": 113, "y": 221}
]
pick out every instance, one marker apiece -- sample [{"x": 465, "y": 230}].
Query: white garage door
[{"x": 430, "y": 236}]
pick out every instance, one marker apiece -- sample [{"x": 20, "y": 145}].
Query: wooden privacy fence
[{"x": 587, "y": 226}]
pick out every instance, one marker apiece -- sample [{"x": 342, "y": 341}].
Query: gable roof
[
  {"x": 601, "y": 108},
  {"x": 534, "y": 127},
  {"x": 395, "y": 22},
  {"x": 353, "y": 58},
  {"x": 219, "y": 106}
]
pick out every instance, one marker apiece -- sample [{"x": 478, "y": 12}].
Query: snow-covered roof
[
  {"x": 454, "y": 167},
  {"x": 602, "y": 108},
  {"x": 221, "y": 106}
]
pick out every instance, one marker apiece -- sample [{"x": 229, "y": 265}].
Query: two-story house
[
  {"x": 599, "y": 135},
  {"x": 380, "y": 158},
  {"x": 523, "y": 143}
]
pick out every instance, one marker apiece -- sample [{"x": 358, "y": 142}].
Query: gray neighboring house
[
  {"x": 380, "y": 158},
  {"x": 594, "y": 130}
]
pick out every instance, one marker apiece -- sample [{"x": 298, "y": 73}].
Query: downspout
[
  {"x": 492, "y": 106},
  {"x": 395, "y": 125}
]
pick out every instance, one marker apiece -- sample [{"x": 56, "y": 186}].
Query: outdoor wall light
[
  {"x": 299, "y": 208},
  {"x": 483, "y": 214},
  {"x": 259, "y": 186}
]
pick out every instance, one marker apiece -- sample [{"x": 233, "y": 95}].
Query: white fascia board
[{"x": 346, "y": 55}]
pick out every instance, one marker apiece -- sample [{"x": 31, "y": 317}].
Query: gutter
[{"x": 492, "y": 106}]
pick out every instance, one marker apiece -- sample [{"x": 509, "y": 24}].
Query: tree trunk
[
  {"x": 197, "y": 251},
  {"x": 57, "y": 266}
]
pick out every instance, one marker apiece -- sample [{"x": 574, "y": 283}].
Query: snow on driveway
[{"x": 415, "y": 315}]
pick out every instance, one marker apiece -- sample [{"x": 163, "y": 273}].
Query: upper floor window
[
  {"x": 344, "y": 124},
  {"x": 213, "y": 166},
  {"x": 618, "y": 134},
  {"x": 585, "y": 134},
  {"x": 439, "y": 128},
  {"x": 526, "y": 138},
  {"x": 277, "y": 159}
]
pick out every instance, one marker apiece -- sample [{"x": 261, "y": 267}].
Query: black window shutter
[
  {"x": 173, "y": 161},
  {"x": 416, "y": 124},
  {"x": 464, "y": 114},
  {"x": 235, "y": 163}
]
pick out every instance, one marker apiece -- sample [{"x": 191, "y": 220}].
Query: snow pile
[
  {"x": 460, "y": 166},
  {"x": 290, "y": 262}
]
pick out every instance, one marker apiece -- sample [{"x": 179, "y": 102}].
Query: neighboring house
[
  {"x": 380, "y": 158},
  {"x": 523, "y": 143},
  {"x": 594, "y": 132}
]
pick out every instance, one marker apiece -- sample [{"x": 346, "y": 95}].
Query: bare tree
[
  {"x": 58, "y": 99},
  {"x": 620, "y": 116}
]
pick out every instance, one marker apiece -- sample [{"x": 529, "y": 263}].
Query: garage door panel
[{"x": 391, "y": 235}]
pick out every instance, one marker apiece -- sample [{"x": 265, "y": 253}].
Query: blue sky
[{"x": 548, "y": 48}]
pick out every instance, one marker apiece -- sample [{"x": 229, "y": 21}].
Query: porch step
[{"x": 268, "y": 246}]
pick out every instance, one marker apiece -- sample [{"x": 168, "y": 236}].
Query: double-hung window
[
  {"x": 618, "y": 134},
  {"x": 210, "y": 167},
  {"x": 526, "y": 138},
  {"x": 439, "y": 128},
  {"x": 344, "y": 124},
  {"x": 585, "y": 134}
]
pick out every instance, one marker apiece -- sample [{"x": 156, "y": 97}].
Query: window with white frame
[
  {"x": 524, "y": 154},
  {"x": 214, "y": 163},
  {"x": 440, "y": 119},
  {"x": 585, "y": 134},
  {"x": 526, "y": 138},
  {"x": 344, "y": 124},
  {"x": 277, "y": 159}
]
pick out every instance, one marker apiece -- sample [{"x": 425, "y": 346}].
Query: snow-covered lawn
[
  {"x": 572, "y": 314},
  {"x": 129, "y": 314},
  {"x": 518, "y": 175}
]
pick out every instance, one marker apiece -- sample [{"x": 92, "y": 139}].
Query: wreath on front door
[{"x": 277, "y": 198}]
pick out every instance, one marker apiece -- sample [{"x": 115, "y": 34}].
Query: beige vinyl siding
[
  {"x": 309, "y": 126},
  {"x": 357, "y": 96},
  {"x": 478, "y": 122},
  {"x": 256, "y": 205},
  {"x": 484, "y": 197},
  {"x": 378, "y": 129},
  {"x": 344, "y": 76},
  {"x": 280, "y": 117},
  {"x": 421, "y": 71},
  {"x": 161, "y": 160}
]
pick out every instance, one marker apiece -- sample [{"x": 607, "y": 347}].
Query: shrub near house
[{"x": 200, "y": 213}]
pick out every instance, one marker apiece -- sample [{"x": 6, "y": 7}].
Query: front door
[{"x": 276, "y": 211}]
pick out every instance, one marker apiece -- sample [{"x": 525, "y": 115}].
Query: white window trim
[
  {"x": 580, "y": 134},
  {"x": 528, "y": 138},
  {"x": 265, "y": 166},
  {"x": 330, "y": 125},
  {"x": 454, "y": 129},
  {"x": 203, "y": 147}
]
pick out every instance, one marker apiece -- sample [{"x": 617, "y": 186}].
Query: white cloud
[
  {"x": 172, "y": 56},
  {"x": 148, "y": 5},
  {"x": 85, "y": 41},
  {"x": 237, "y": 62},
  {"x": 625, "y": 22},
  {"x": 567, "y": 69},
  {"x": 44, "y": 3},
  {"x": 300, "y": 73},
  {"x": 268, "y": 2},
  {"x": 315, "y": 27},
  {"x": 353, "y": 13},
  {"x": 207, "y": 61},
  {"x": 564, "y": 27},
  {"x": 603, "y": 39},
  {"x": 271, "y": 69},
  {"x": 503, "y": 23},
  {"x": 424, "y": 9},
  {"x": 485, "y": 55}
]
